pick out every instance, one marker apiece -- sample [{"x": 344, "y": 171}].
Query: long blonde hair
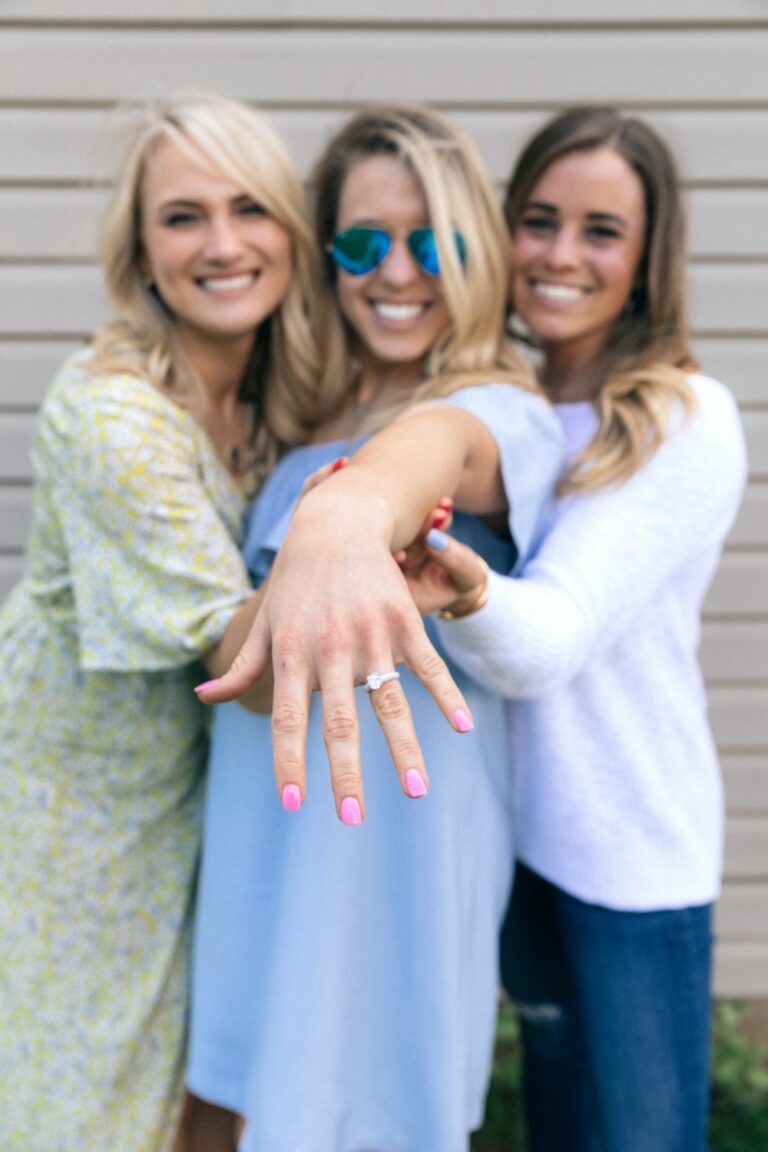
[
  {"x": 642, "y": 374},
  {"x": 459, "y": 195},
  {"x": 284, "y": 377}
]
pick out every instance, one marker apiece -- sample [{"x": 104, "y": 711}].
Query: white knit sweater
[{"x": 618, "y": 793}]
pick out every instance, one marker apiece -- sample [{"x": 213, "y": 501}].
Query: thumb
[
  {"x": 458, "y": 561},
  {"x": 250, "y": 664}
]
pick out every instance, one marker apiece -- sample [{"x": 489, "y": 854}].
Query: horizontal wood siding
[
  {"x": 51, "y": 144},
  {"x": 470, "y": 66},
  {"x": 401, "y": 12},
  {"x": 697, "y": 69}
]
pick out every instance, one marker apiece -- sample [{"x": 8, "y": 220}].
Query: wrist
[
  {"x": 471, "y": 601},
  {"x": 345, "y": 506}
]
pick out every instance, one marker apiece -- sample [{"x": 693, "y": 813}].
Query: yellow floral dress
[{"x": 134, "y": 571}]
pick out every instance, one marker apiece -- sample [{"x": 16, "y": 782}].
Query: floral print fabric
[{"x": 133, "y": 573}]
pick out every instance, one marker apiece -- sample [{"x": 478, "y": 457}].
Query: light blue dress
[{"x": 345, "y": 979}]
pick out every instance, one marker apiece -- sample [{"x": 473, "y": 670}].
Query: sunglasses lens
[
  {"x": 360, "y": 250},
  {"x": 423, "y": 245}
]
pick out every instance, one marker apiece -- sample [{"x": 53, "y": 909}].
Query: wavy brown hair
[{"x": 642, "y": 372}]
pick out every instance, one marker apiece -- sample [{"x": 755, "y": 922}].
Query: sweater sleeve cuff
[{"x": 480, "y": 630}]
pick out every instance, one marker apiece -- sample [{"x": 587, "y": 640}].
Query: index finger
[{"x": 423, "y": 659}]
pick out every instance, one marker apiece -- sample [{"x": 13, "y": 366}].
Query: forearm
[
  {"x": 611, "y": 553},
  {"x": 396, "y": 479},
  {"x": 526, "y": 640}
]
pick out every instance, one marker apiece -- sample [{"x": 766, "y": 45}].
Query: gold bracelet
[{"x": 474, "y": 605}]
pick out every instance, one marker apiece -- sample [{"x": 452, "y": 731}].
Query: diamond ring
[{"x": 377, "y": 679}]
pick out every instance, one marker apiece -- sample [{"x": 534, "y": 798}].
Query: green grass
[{"x": 739, "y": 1116}]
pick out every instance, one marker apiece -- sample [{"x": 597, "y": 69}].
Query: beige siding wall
[{"x": 498, "y": 67}]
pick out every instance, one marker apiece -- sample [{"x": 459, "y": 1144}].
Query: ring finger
[{"x": 393, "y": 713}]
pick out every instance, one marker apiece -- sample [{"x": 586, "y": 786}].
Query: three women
[{"x": 169, "y": 414}]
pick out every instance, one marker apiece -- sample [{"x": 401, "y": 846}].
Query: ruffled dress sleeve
[{"x": 148, "y": 522}]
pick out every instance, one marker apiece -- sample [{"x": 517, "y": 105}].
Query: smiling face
[
  {"x": 219, "y": 263},
  {"x": 397, "y": 311},
  {"x": 576, "y": 249}
]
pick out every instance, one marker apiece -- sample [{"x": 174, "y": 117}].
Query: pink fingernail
[
  {"x": 208, "y": 684},
  {"x": 462, "y": 721},
  {"x": 414, "y": 784},
  {"x": 351, "y": 813},
  {"x": 339, "y": 464},
  {"x": 291, "y": 798}
]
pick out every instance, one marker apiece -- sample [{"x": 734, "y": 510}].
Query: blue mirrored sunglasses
[{"x": 360, "y": 250}]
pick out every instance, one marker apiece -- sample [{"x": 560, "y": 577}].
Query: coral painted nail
[
  {"x": 351, "y": 812},
  {"x": 291, "y": 798},
  {"x": 414, "y": 784}
]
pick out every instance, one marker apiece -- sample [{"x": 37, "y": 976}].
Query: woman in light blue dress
[
  {"x": 345, "y": 977},
  {"x": 607, "y": 947}
]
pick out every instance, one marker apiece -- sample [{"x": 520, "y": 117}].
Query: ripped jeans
[{"x": 615, "y": 1014}]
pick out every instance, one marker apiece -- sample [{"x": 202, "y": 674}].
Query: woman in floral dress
[{"x": 149, "y": 445}]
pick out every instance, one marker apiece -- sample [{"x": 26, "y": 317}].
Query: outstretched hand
[{"x": 336, "y": 609}]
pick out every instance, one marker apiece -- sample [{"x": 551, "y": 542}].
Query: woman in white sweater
[
  {"x": 607, "y": 945},
  {"x": 619, "y": 810}
]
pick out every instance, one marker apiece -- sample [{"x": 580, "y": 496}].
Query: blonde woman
[
  {"x": 346, "y": 973},
  {"x": 618, "y": 826},
  {"x": 149, "y": 445}
]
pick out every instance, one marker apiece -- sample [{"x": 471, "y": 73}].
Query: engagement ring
[{"x": 377, "y": 679}]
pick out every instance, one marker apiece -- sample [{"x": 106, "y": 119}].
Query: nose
[
  {"x": 223, "y": 241},
  {"x": 563, "y": 250},
  {"x": 399, "y": 267}
]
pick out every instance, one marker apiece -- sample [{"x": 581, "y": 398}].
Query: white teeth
[
  {"x": 398, "y": 311},
  {"x": 557, "y": 291},
  {"x": 227, "y": 283}
]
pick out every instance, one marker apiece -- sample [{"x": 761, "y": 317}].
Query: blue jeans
[{"x": 615, "y": 1020}]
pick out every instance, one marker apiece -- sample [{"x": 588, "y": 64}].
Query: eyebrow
[
  {"x": 380, "y": 222},
  {"x": 182, "y": 203},
  {"x": 178, "y": 203},
  {"x": 543, "y": 206}
]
